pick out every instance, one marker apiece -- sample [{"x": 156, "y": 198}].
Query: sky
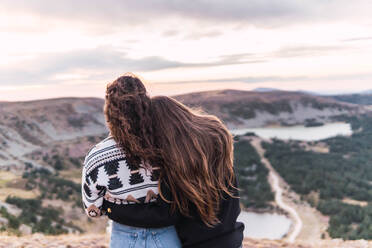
[{"x": 75, "y": 47}]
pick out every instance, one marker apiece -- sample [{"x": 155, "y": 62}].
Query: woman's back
[{"x": 108, "y": 178}]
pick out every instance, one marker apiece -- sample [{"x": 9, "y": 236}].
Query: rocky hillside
[
  {"x": 102, "y": 241},
  {"x": 30, "y": 130},
  {"x": 28, "y": 127},
  {"x": 362, "y": 99},
  {"x": 244, "y": 109},
  {"x": 42, "y": 146}
]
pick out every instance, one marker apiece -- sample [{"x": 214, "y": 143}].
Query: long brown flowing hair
[
  {"x": 194, "y": 150},
  {"x": 198, "y": 157}
]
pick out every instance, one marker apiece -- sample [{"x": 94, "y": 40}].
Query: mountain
[
  {"x": 367, "y": 92},
  {"x": 41, "y": 132},
  {"x": 32, "y": 128},
  {"x": 42, "y": 147},
  {"x": 311, "y": 92},
  {"x": 361, "y": 99},
  {"x": 36, "y": 126},
  {"x": 243, "y": 109},
  {"x": 263, "y": 89}
]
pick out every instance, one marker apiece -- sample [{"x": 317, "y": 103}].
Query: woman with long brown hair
[{"x": 188, "y": 155}]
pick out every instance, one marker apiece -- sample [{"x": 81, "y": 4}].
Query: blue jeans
[{"x": 123, "y": 236}]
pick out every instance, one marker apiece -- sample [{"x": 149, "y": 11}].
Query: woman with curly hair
[{"x": 164, "y": 175}]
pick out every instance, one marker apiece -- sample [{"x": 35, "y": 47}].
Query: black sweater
[{"x": 191, "y": 230}]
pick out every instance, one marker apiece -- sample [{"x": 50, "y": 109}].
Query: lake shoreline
[
  {"x": 298, "y": 132},
  {"x": 274, "y": 212}
]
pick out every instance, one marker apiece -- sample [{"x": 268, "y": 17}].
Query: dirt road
[
  {"x": 308, "y": 223},
  {"x": 274, "y": 182}
]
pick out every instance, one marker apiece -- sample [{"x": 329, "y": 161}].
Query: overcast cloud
[
  {"x": 215, "y": 41},
  {"x": 268, "y": 13}
]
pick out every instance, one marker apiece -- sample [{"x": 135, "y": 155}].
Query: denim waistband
[{"x": 131, "y": 229}]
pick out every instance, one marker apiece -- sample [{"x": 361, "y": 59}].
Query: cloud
[
  {"x": 358, "y": 39},
  {"x": 266, "y": 13},
  {"x": 44, "y": 67},
  {"x": 196, "y": 35},
  {"x": 278, "y": 79},
  {"x": 95, "y": 63},
  {"x": 241, "y": 79},
  {"x": 101, "y": 62},
  {"x": 283, "y": 52},
  {"x": 305, "y": 50},
  {"x": 170, "y": 33}
]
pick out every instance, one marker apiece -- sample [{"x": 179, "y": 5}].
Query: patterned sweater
[{"x": 108, "y": 176}]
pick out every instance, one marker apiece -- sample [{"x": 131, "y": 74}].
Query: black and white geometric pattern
[{"x": 107, "y": 174}]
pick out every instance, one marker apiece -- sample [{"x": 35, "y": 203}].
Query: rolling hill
[
  {"x": 362, "y": 98},
  {"x": 244, "y": 109},
  {"x": 37, "y": 126},
  {"x": 42, "y": 146},
  {"x": 67, "y": 126}
]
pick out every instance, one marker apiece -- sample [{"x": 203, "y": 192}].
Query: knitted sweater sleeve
[
  {"x": 107, "y": 176},
  {"x": 92, "y": 194}
]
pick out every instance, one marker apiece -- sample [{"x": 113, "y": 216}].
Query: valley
[{"x": 43, "y": 143}]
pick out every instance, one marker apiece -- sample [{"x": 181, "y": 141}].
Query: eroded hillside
[{"x": 244, "y": 109}]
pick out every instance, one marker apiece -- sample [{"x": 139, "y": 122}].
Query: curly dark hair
[{"x": 127, "y": 111}]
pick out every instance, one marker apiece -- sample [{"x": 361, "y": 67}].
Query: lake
[
  {"x": 272, "y": 225},
  {"x": 264, "y": 225},
  {"x": 299, "y": 132}
]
